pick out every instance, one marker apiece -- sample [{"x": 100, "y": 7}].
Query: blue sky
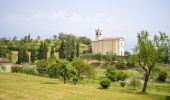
[{"x": 115, "y": 17}]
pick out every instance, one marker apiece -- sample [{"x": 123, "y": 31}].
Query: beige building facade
[{"x": 105, "y": 45}]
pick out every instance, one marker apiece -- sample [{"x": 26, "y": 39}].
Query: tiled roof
[{"x": 4, "y": 60}]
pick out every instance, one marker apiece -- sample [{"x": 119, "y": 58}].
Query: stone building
[{"x": 105, "y": 45}]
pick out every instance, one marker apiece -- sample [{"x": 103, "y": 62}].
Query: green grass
[{"x": 14, "y": 86}]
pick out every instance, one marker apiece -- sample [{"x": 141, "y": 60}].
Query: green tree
[
  {"x": 148, "y": 54},
  {"x": 62, "y": 50},
  {"x": 52, "y": 52},
  {"x": 64, "y": 69},
  {"x": 42, "y": 52},
  {"x": 162, "y": 44},
  {"x": 77, "y": 50},
  {"x": 85, "y": 40},
  {"x": 20, "y": 55},
  {"x": 33, "y": 55},
  {"x": 25, "y": 57},
  {"x": 73, "y": 50},
  {"x": 41, "y": 66},
  {"x": 81, "y": 68}
]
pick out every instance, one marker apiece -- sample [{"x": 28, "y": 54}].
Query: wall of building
[{"x": 111, "y": 45}]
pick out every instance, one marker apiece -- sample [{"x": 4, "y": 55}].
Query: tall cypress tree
[
  {"x": 32, "y": 56},
  {"x": 45, "y": 50},
  {"x": 62, "y": 50},
  {"x": 20, "y": 55},
  {"x": 73, "y": 51},
  {"x": 25, "y": 56},
  {"x": 52, "y": 52},
  {"x": 77, "y": 49},
  {"x": 40, "y": 52}
]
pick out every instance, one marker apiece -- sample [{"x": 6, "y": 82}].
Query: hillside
[{"x": 15, "y": 86}]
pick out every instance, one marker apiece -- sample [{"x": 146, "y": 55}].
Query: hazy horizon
[{"x": 81, "y": 18}]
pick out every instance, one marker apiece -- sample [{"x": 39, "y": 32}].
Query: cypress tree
[
  {"x": 32, "y": 56},
  {"x": 45, "y": 50},
  {"x": 25, "y": 56},
  {"x": 40, "y": 52},
  {"x": 52, "y": 52},
  {"x": 61, "y": 50},
  {"x": 20, "y": 55},
  {"x": 73, "y": 51},
  {"x": 77, "y": 49}
]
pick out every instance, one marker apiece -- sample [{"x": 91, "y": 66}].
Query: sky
[{"x": 123, "y": 18}]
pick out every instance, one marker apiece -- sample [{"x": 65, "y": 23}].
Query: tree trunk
[
  {"x": 64, "y": 80},
  {"x": 145, "y": 83}
]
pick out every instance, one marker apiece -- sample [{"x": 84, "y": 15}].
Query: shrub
[
  {"x": 120, "y": 63},
  {"x": 162, "y": 76},
  {"x": 121, "y": 76},
  {"x": 134, "y": 80},
  {"x": 16, "y": 69},
  {"x": 111, "y": 73},
  {"x": 30, "y": 70},
  {"x": 114, "y": 75},
  {"x": 75, "y": 79},
  {"x": 105, "y": 83},
  {"x": 52, "y": 70},
  {"x": 122, "y": 84}
]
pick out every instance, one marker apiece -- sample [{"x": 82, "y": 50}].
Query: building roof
[
  {"x": 109, "y": 38},
  {"x": 4, "y": 60}
]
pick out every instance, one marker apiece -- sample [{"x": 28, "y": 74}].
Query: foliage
[
  {"x": 126, "y": 53},
  {"x": 122, "y": 84},
  {"x": 120, "y": 63},
  {"x": 25, "y": 56},
  {"x": 64, "y": 69},
  {"x": 52, "y": 70},
  {"x": 122, "y": 76},
  {"x": 16, "y": 69},
  {"x": 33, "y": 55},
  {"x": 105, "y": 83},
  {"x": 2, "y": 68},
  {"x": 162, "y": 76},
  {"x": 134, "y": 80},
  {"x": 77, "y": 50},
  {"x": 52, "y": 52},
  {"x": 110, "y": 57},
  {"x": 85, "y": 40},
  {"x": 31, "y": 70},
  {"x": 42, "y": 51},
  {"x": 111, "y": 73},
  {"x": 81, "y": 68},
  {"x": 162, "y": 44},
  {"x": 75, "y": 79},
  {"x": 61, "y": 50},
  {"x": 41, "y": 66},
  {"x": 149, "y": 53}
]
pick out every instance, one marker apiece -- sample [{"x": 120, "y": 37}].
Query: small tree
[
  {"x": 75, "y": 79},
  {"x": 162, "y": 76},
  {"x": 111, "y": 73},
  {"x": 105, "y": 83},
  {"x": 122, "y": 84},
  {"x": 82, "y": 68},
  {"x": 64, "y": 69},
  {"x": 134, "y": 80},
  {"x": 41, "y": 66}
]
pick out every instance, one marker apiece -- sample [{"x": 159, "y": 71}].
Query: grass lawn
[{"x": 14, "y": 86}]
